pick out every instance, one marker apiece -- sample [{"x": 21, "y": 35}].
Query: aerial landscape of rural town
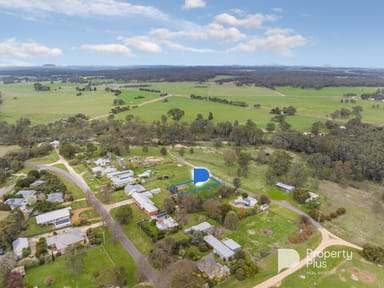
[{"x": 191, "y": 143}]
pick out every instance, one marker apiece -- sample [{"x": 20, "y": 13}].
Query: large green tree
[{"x": 124, "y": 214}]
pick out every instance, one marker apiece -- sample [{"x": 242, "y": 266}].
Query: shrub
[
  {"x": 203, "y": 247},
  {"x": 28, "y": 262},
  {"x": 333, "y": 215},
  {"x": 340, "y": 211},
  {"x": 264, "y": 199},
  {"x": 49, "y": 280},
  {"x": 240, "y": 274}
]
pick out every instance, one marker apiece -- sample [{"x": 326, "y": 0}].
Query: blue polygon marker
[{"x": 200, "y": 175}]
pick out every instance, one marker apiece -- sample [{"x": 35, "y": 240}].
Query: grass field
[
  {"x": 364, "y": 205},
  {"x": 20, "y": 100},
  {"x": 97, "y": 258},
  {"x": 129, "y": 95},
  {"x": 141, "y": 241},
  {"x": 212, "y": 159},
  {"x": 339, "y": 272},
  {"x": 50, "y": 158},
  {"x": 253, "y": 237}
]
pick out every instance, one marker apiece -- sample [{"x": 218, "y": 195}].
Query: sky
[{"x": 192, "y": 32}]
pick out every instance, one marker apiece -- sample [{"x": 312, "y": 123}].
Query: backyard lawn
[{"x": 97, "y": 258}]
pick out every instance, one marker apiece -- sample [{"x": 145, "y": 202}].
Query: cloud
[
  {"x": 279, "y": 41},
  {"x": 198, "y": 32},
  {"x": 179, "y": 47},
  {"x": 114, "y": 49},
  {"x": 141, "y": 43},
  {"x": 84, "y": 8},
  {"x": 223, "y": 34},
  {"x": 190, "y": 4},
  {"x": 166, "y": 34},
  {"x": 12, "y": 48},
  {"x": 249, "y": 21}
]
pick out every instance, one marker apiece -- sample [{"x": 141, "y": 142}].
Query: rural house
[
  {"x": 209, "y": 266},
  {"x": 60, "y": 242},
  {"x": 286, "y": 187},
  {"x": 18, "y": 245},
  {"x": 145, "y": 204},
  {"x": 59, "y": 218}
]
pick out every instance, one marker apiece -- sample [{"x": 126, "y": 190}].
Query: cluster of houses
[
  {"x": 225, "y": 249},
  {"x": 56, "y": 243},
  {"x": 26, "y": 197},
  {"x": 142, "y": 199},
  {"x": 59, "y": 219},
  {"x": 119, "y": 179}
]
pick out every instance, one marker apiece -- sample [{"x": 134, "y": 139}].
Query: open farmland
[{"x": 20, "y": 100}]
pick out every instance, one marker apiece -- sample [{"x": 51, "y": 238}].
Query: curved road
[
  {"x": 328, "y": 238},
  {"x": 142, "y": 262}
]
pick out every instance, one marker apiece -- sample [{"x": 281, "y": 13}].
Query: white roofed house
[
  {"x": 286, "y": 187},
  {"x": 312, "y": 196},
  {"x": 18, "y": 245},
  {"x": 129, "y": 189},
  {"x": 231, "y": 244},
  {"x": 102, "y": 162},
  {"x": 219, "y": 248},
  {"x": 248, "y": 202},
  {"x": 26, "y": 193},
  {"x": 203, "y": 227},
  {"x": 16, "y": 203},
  {"x": 64, "y": 240},
  {"x": 145, "y": 204},
  {"x": 59, "y": 218},
  {"x": 145, "y": 174},
  {"x": 55, "y": 143},
  {"x": 121, "y": 178}
]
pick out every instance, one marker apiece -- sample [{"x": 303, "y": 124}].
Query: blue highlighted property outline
[{"x": 173, "y": 188}]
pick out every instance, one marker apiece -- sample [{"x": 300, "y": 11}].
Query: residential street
[{"x": 142, "y": 262}]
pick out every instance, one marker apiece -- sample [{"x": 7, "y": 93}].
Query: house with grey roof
[
  {"x": 59, "y": 218},
  {"x": 60, "y": 242},
  {"x": 56, "y": 197},
  {"x": 203, "y": 227},
  {"x": 37, "y": 183},
  {"x": 18, "y": 245},
  {"x": 219, "y": 248},
  {"x": 102, "y": 162},
  {"x": 16, "y": 203},
  {"x": 26, "y": 193},
  {"x": 286, "y": 187},
  {"x": 248, "y": 202},
  {"x": 231, "y": 244},
  {"x": 129, "y": 189},
  {"x": 145, "y": 204}
]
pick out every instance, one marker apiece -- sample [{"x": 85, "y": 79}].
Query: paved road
[
  {"x": 109, "y": 207},
  {"x": 142, "y": 262},
  {"x": 6, "y": 189},
  {"x": 328, "y": 238}
]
